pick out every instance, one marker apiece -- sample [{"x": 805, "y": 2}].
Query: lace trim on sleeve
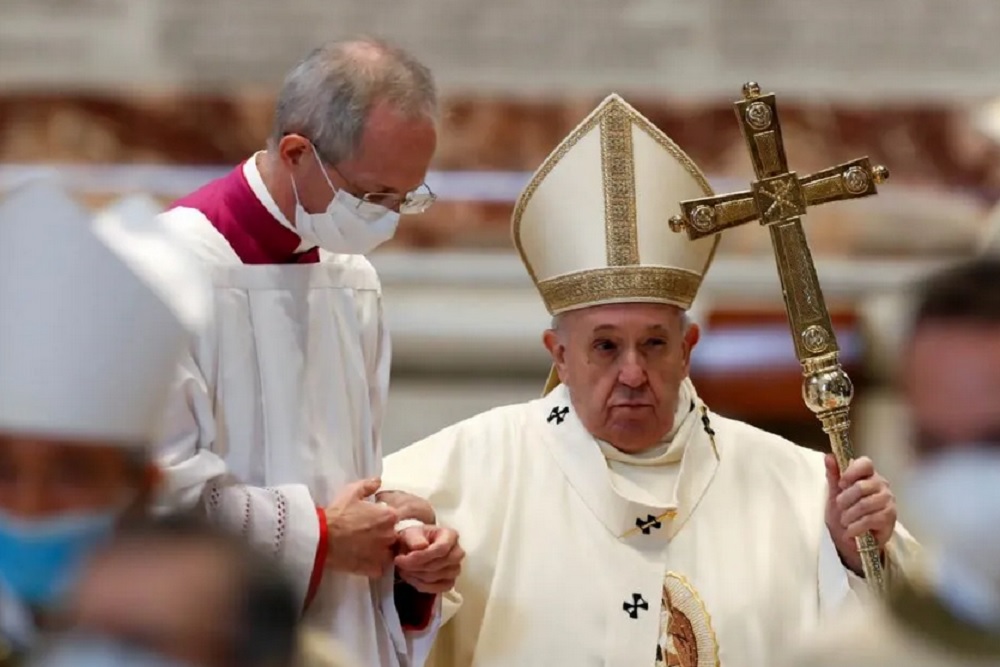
[
  {"x": 281, "y": 511},
  {"x": 234, "y": 504}
]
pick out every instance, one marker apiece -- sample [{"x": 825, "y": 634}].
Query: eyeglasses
[{"x": 410, "y": 203}]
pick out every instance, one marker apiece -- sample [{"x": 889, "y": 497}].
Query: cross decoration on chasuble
[{"x": 778, "y": 198}]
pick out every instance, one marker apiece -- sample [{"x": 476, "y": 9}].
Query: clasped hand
[
  {"x": 363, "y": 540},
  {"x": 430, "y": 558}
]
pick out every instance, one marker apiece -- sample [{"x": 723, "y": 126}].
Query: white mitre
[
  {"x": 592, "y": 225},
  {"x": 133, "y": 229},
  {"x": 88, "y": 348}
]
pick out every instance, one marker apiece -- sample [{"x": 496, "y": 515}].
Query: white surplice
[
  {"x": 277, "y": 407},
  {"x": 572, "y": 560}
]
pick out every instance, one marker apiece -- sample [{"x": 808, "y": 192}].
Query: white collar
[
  {"x": 586, "y": 468},
  {"x": 256, "y": 181}
]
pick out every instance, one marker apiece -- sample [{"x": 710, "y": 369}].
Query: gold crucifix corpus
[{"x": 778, "y": 198}]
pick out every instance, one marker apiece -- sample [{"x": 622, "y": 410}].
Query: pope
[{"x": 619, "y": 520}]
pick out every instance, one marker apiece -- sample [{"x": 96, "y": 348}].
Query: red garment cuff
[
  {"x": 415, "y": 609},
  {"x": 322, "y": 547}
]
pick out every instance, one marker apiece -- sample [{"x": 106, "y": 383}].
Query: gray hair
[{"x": 327, "y": 97}]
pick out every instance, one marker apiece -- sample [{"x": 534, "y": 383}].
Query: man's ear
[
  {"x": 557, "y": 350},
  {"x": 691, "y": 337},
  {"x": 293, "y": 149}
]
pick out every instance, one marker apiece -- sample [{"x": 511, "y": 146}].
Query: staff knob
[
  {"x": 880, "y": 174},
  {"x": 751, "y": 89}
]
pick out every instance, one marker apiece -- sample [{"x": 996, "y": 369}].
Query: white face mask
[
  {"x": 955, "y": 504},
  {"x": 348, "y": 226}
]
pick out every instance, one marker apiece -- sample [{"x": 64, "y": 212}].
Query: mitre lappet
[{"x": 592, "y": 225}]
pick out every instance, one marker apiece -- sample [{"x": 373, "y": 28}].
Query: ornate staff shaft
[{"x": 826, "y": 387}]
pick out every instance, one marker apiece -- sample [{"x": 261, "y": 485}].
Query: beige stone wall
[{"x": 944, "y": 175}]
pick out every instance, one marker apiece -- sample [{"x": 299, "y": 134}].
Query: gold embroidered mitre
[{"x": 592, "y": 226}]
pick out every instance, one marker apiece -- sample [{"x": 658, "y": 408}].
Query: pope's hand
[
  {"x": 430, "y": 558},
  {"x": 408, "y": 506},
  {"x": 361, "y": 533},
  {"x": 859, "y": 500}
]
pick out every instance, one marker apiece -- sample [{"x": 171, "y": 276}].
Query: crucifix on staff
[{"x": 778, "y": 199}]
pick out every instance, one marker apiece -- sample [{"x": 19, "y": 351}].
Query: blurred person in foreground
[
  {"x": 178, "y": 592},
  {"x": 275, "y": 421},
  {"x": 950, "y": 615},
  {"x": 618, "y": 520},
  {"x": 88, "y": 347}
]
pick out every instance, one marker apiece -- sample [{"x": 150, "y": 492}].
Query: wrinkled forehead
[
  {"x": 952, "y": 377},
  {"x": 625, "y": 316}
]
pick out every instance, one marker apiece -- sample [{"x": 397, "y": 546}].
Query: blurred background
[{"x": 156, "y": 97}]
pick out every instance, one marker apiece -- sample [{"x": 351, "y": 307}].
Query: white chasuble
[
  {"x": 563, "y": 569},
  {"x": 276, "y": 409}
]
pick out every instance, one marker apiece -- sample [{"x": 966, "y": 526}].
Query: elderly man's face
[
  {"x": 953, "y": 385},
  {"x": 623, "y": 365}
]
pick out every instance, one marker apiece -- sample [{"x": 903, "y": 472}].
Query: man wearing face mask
[
  {"x": 950, "y": 616},
  {"x": 274, "y": 425},
  {"x": 87, "y": 351}
]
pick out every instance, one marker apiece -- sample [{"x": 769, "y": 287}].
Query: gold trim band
[
  {"x": 618, "y": 173},
  {"x": 620, "y": 284}
]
